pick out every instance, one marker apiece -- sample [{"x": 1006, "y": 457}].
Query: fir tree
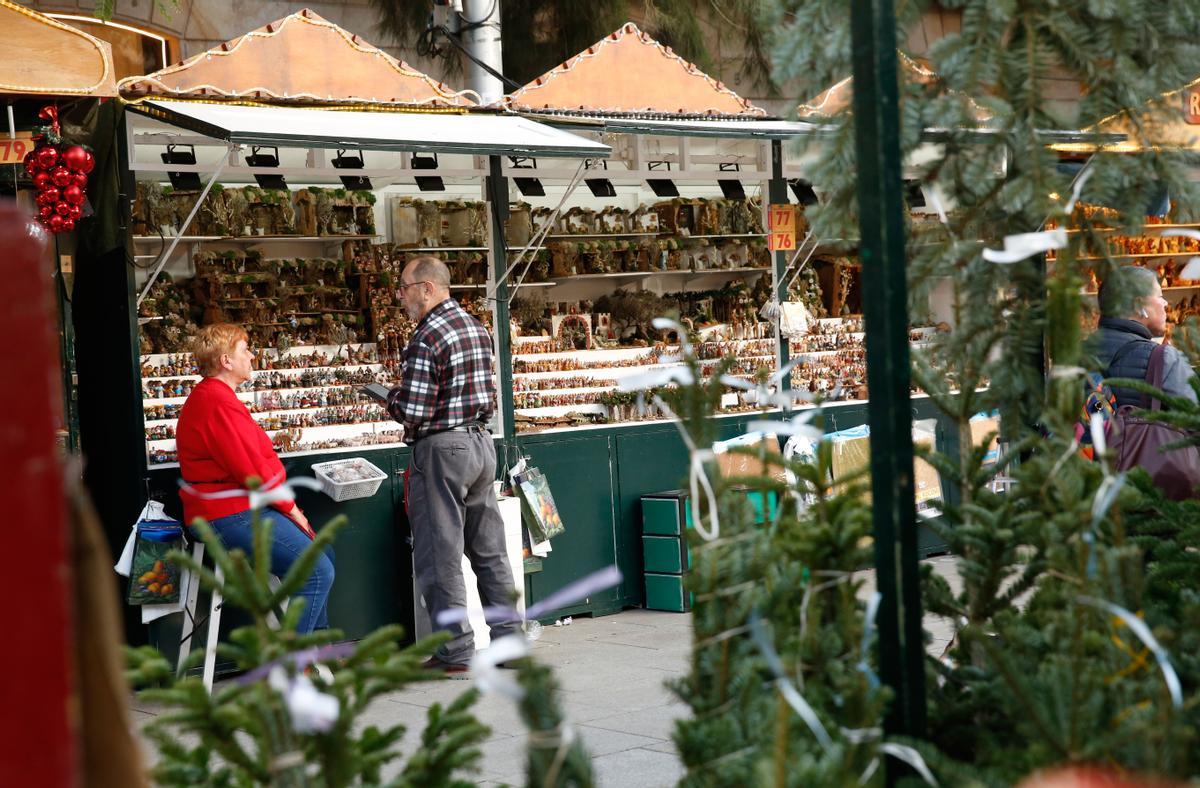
[{"x": 254, "y": 732}]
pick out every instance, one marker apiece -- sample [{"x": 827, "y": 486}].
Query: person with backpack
[{"x": 1133, "y": 313}]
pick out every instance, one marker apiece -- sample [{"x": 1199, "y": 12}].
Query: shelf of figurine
[
  {"x": 295, "y": 390},
  {"x": 562, "y": 260},
  {"x": 434, "y": 224},
  {"x": 322, "y": 211},
  {"x": 1105, "y": 240},
  {"x": 167, "y": 317},
  {"x": 248, "y": 211},
  {"x": 303, "y": 440},
  {"x": 831, "y": 359}
]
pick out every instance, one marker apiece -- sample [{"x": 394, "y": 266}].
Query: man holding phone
[{"x": 446, "y": 396}]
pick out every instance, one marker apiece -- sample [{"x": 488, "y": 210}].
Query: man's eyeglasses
[{"x": 404, "y": 286}]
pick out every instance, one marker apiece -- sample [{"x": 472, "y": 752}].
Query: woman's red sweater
[{"x": 220, "y": 446}]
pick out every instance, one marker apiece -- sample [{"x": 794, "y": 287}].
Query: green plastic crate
[
  {"x": 665, "y": 554},
  {"x": 666, "y": 513},
  {"x": 666, "y": 592}
]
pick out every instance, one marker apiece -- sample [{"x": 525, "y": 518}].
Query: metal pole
[
  {"x": 885, "y": 312},
  {"x": 777, "y": 195},
  {"x": 497, "y": 195},
  {"x": 481, "y": 37}
]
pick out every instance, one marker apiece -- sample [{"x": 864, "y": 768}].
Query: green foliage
[{"x": 244, "y": 733}]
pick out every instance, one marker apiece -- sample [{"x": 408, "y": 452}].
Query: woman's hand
[{"x": 297, "y": 516}]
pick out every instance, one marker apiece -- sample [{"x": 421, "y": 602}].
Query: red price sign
[
  {"x": 13, "y": 150},
  {"x": 781, "y": 226}
]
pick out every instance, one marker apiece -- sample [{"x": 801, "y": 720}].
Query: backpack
[{"x": 1100, "y": 399}]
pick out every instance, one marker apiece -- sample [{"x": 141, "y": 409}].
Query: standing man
[{"x": 445, "y": 398}]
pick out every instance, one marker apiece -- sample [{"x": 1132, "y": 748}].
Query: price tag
[
  {"x": 781, "y": 226},
  {"x": 12, "y": 151}
]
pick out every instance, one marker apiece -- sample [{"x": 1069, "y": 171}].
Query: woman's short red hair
[{"x": 214, "y": 341}]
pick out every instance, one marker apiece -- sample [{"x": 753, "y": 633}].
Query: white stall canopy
[{"x": 426, "y": 132}]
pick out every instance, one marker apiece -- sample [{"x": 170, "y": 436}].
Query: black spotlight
[
  {"x": 913, "y": 194},
  {"x": 427, "y": 183},
  {"x": 803, "y": 191},
  {"x": 662, "y": 187},
  {"x": 527, "y": 185},
  {"x": 732, "y": 189},
  {"x": 266, "y": 180},
  {"x": 601, "y": 187},
  {"x": 355, "y": 183},
  {"x": 182, "y": 181}
]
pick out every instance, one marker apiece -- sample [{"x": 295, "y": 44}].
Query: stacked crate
[{"x": 666, "y": 518}]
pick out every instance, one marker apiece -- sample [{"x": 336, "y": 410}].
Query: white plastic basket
[{"x": 347, "y": 490}]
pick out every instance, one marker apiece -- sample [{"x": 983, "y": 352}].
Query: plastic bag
[
  {"x": 538, "y": 509},
  {"x": 152, "y": 578}
]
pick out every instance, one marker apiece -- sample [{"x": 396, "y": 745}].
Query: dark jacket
[{"x": 1123, "y": 347}]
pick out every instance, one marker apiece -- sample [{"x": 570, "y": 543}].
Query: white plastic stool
[{"x": 191, "y": 594}]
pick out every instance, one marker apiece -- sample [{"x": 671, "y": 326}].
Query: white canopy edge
[{"x": 472, "y": 133}]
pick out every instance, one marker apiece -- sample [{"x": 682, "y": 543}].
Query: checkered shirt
[{"x": 446, "y": 376}]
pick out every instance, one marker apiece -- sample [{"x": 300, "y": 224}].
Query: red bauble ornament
[
  {"x": 73, "y": 195},
  {"x": 55, "y": 223},
  {"x": 51, "y": 195},
  {"x": 61, "y": 177},
  {"x": 62, "y": 208},
  {"x": 41, "y": 180},
  {"x": 89, "y": 162},
  {"x": 68, "y": 224},
  {"x": 45, "y": 199},
  {"x": 76, "y": 212},
  {"x": 80, "y": 179},
  {"x": 45, "y": 212},
  {"x": 73, "y": 157},
  {"x": 31, "y": 163},
  {"x": 47, "y": 156}
]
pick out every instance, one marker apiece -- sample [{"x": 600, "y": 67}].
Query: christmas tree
[{"x": 1076, "y": 618}]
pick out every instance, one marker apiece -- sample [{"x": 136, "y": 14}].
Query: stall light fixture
[
  {"x": 355, "y": 183},
  {"x": 266, "y": 180},
  {"x": 731, "y": 187},
  {"x": 600, "y": 187},
  {"x": 662, "y": 187},
  {"x": 803, "y": 191},
  {"x": 427, "y": 183},
  {"x": 182, "y": 181},
  {"x": 529, "y": 187}
]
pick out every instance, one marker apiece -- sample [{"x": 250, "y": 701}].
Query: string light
[
  {"x": 105, "y": 75},
  {"x": 441, "y": 91}
]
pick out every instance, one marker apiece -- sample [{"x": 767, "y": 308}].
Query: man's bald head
[{"x": 427, "y": 268}]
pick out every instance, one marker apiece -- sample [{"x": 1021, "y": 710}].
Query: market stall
[{"x": 260, "y": 196}]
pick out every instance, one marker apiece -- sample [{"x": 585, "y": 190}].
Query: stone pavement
[{"x": 613, "y": 673}]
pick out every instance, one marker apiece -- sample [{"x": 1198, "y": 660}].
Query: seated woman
[{"x": 220, "y": 446}]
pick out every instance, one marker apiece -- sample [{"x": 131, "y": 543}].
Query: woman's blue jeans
[{"x": 288, "y": 542}]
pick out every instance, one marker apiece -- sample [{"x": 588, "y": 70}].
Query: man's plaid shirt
[{"x": 446, "y": 374}]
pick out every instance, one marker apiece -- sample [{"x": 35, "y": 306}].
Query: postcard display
[{"x": 312, "y": 279}]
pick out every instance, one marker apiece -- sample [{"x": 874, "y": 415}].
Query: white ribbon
[
  {"x": 1192, "y": 269},
  {"x": 489, "y": 676},
  {"x": 270, "y": 492},
  {"x": 800, "y": 424},
  {"x": 311, "y": 711},
  {"x": 1025, "y": 245},
  {"x": 1144, "y": 634}
]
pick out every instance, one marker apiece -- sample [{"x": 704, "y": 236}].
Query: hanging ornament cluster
[{"x": 60, "y": 174}]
